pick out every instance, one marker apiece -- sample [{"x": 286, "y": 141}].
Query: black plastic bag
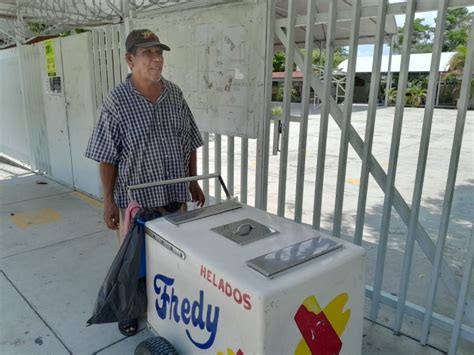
[{"x": 122, "y": 295}]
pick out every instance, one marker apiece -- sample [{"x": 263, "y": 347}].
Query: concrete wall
[{"x": 217, "y": 57}]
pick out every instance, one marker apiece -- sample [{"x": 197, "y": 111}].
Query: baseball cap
[{"x": 143, "y": 38}]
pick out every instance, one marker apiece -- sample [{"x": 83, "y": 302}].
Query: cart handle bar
[{"x": 180, "y": 180}]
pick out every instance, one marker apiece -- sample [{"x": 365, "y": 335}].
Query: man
[{"x": 145, "y": 133}]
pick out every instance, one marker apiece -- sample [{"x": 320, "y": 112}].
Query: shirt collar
[{"x": 132, "y": 88}]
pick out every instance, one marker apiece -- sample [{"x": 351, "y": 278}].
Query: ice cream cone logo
[
  {"x": 231, "y": 352},
  {"x": 321, "y": 328}
]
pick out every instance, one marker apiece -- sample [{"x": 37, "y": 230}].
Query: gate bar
[
  {"x": 244, "y": 151},
  {"x": 263, "y": 141},
  {"x": 103, "y": 67},
  {"x": 96, "y": 61},
  {"x": 108, "y": 48},
  {"x": 230, "y": 164},
  {"x": 346, "y": 118},
  {"x": 388, "y": 84},
  {"x": 288, "y": 86},
  {"x": 392, "y": 171},
  {"x": 116, "y": 54},
  {"x": 123, "y": 62},
  {"x": 370, "y": 124},
  {"x": 217, "y": 164},
  {"x": 308, "y": 65},
  {"x": 324, "y": 121},
  {"x": 205, "y": 164}
]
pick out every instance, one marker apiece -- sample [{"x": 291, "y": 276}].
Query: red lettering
[
  {"x": 228, "y": 289},
  {"x": 221, "y": 285},
  {"x": 237, "y": 296},
  {"x": 247, "y": 304}
]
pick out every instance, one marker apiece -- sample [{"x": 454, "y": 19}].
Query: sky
[{"x": 429, "y": 19}]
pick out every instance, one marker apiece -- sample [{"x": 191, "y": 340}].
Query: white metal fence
[
  {"x": 32, "y": 88},
  {"x": 250, "y": 181},
  {"x": 14, "y": 135},
  {"x": 285, "y": 30}
]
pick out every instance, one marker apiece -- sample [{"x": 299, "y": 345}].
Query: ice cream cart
[{"x": 232, "y": 279}]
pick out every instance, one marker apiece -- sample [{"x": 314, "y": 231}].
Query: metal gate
[
  {"x": 221, "y": 152},
  {"x": 284, "y": 29}
]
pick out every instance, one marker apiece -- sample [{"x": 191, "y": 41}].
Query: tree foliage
[
  {"x": 455, "y": 34},
  {"x": 340, "y": 54},
  {"x": 456, "y": 63},
  {"x": 279, "y": 61},
  {"x": 421, "y": 40},
  {"x": 455, "y": 70},
  {"x": 43, "y": 29},
  {"x": 457, "y": 29},
  {"x": 415, "y": 94},
  {"x": 392, "y": 95},
  {"x": 39, "y": 28},
  {"x": 281, "y": 92}
]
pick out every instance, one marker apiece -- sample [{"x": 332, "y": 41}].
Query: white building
[{"x": 419, "y": 64}]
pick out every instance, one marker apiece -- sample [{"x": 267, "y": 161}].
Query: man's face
[{"x": 146, "y": 63}]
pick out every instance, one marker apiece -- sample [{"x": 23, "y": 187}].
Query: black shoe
[{"x": 128, "y": 327}]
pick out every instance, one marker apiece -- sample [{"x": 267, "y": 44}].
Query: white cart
[{"x": 232, "y": 279}]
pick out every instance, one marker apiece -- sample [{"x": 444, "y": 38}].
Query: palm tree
[
  {"x": 392, "y": 95},
  {"x": 456, "y": 63},
  {"x": 415, "y": 95},
  {"x": 455, "y": 70}
]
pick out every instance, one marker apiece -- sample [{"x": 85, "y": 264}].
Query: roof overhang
[
  {"x": 419, "y": 63},
  {"x": 367, "y": 25}
]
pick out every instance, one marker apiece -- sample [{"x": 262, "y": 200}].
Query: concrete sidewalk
[{"x": 54, "y": 253}]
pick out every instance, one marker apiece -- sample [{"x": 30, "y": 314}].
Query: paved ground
[
  {"x": 55, "y": 252},
  {"x": 54, "y": 249}
]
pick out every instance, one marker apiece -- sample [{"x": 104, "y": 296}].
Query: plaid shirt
[{"x": 148, "y": 142}]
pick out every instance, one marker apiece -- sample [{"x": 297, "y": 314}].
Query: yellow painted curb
[{"x": 89, "y": 200}]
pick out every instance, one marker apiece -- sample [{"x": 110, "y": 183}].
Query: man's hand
[
  {"x": 196, "y": 193},
  {"x": 111, "y": 215}
]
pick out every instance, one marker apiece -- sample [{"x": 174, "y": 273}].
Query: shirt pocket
[{"x": 180, "y": 123}]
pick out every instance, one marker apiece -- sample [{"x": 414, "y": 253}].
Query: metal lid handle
[{"x": 180, "y": 180}]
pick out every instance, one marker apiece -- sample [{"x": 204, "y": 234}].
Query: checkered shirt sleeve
[
  {"x": 194, "y": 139},
  {"x": 104, "y": 144}
]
